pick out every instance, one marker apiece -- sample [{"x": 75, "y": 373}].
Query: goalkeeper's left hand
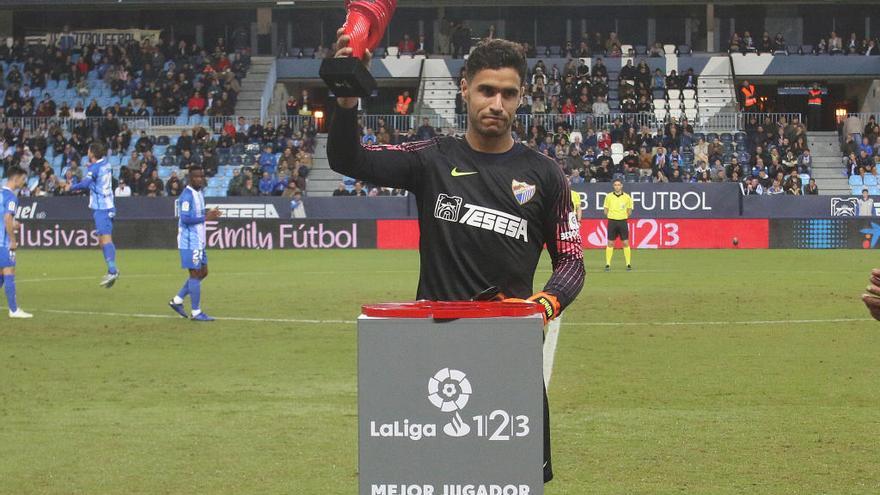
[{"x": 549, "y": 304}]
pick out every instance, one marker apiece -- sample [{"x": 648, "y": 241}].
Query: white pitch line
[
  {"x": 213, "y": 274},
  {"x": 550, "y": 341},
  {"x": 176, "y": 317},
  {"x": 700, "y": 323},
  {"x": 552, "y": 334}
]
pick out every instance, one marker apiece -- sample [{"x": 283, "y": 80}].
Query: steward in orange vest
[
  {"x": 748, "y": 93},
  {"x": 403, "y": 103}
]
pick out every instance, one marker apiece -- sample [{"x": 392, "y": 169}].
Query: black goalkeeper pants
[{"x": 548, "y": 465}]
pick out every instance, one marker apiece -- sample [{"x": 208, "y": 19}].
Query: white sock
[
  {"x": 197, "y": 312},
  {"x": 177, "y": 299}
]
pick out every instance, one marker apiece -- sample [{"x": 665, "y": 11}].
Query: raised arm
[{"x": 392, "y": 166}]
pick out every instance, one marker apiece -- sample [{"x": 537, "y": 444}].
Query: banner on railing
[{"x": 100, "y": 37}]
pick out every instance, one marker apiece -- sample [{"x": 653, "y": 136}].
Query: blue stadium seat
[
  {"x": 641, "y": 50},
  {"x": 870, "y": 180},
  {"x": 684, "y": 50},
  {"x": 805, "y": 178},
  {"x": 195, "y": 120},
  {"x": 873, "y": 191},
  {"x": 159, "y": 150},
  {"x": 856, "y": 190},
  {"x": 181, "y": 121},
  {"x": 56, "y": 162},
  {"x": 32, "y": 182},
  {"x": 165, "y": 140},
  {"x": 855, "y": 180},
  {"x": 379, "y": 52},
  {"x": 726, "y": 137}
]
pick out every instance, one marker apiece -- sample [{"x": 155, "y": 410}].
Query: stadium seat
[
  {"x": 658, "y": 94},
  {"x": 805, "y": 178},
  {"x": 181, "y": 121},
  {"x": 308, "y": 52},
  {"x": 870, "y": 180},
  {"x": 806, "y": 49},
  {"x": 626, "y": 49},
  {"x": 541, "y": 50},
  {"x": 669, "y": 49},
  {"x": 684, "y": 50},
  {"x": 616, "y": 148},
  {"x": 855, "y": 180},
  {"x": 379, "y": 52},
  {"x": 555, "y": 51},
  {"x": 791, "y": 49},
  {"x": 659, "y": 104},
  {"x": 726, "y": 137},
  {"x": 391, "y": 51},
  {"x": 641, "y": 50},
  {"x": 690, "y": 104},
  {"x": 631, "y": 178},
  {"x": 873, "y": 191},
  {"x": 689, "y": 94},
  {"x": 856, "y": 190}
]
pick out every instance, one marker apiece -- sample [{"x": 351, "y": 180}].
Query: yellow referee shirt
[
  {"x": 617, "y": 206},
  {"x": 576, "y": 201}
]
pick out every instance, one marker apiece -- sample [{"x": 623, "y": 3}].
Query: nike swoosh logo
[{"x": 456, "y": 173}]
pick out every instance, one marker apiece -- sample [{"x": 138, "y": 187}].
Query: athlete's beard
[{"x": 474, "y": 122}]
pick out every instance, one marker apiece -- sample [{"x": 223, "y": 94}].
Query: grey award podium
[{"x": 450, "y": 399}]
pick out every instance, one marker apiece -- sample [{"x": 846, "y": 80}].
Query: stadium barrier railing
[
  {"x": 268, "y": 89},
  {"x": 720, "y": 122}
]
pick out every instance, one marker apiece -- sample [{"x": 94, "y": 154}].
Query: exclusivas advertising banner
[
  {"x": 222, "y": 234},
  {"x": 140, "y": 208},
  {"x": 669, "y": 201},
  {"x": 644, "y": 233},
  {"x": 825, "y": 233}
]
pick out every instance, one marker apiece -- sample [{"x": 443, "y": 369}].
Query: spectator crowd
[
  {"x": 129, "y": 79},
  {"x": 263, "y": 159}
]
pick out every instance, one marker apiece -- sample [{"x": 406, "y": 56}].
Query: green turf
[{"x": 98, "y": 404}]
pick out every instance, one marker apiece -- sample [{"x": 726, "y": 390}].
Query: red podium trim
[{"x": 452, "y": 309}]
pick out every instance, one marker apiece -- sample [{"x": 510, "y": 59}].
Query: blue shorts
[
  {"x": 193, "y": 259},
  {"x": 7, "y": 258},
  {"x": 104, "y": 221}
]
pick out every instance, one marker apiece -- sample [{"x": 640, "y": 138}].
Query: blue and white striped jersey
[
  {"x": 10, "y": 205},
  {"x": 191, "y": 226},
  {"x": 101, "y": 188}
]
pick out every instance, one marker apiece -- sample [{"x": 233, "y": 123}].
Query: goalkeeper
[{"x": 487, "y": 204}]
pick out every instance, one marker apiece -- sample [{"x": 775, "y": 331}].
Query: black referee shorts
[{"x": 618, "y": 229}]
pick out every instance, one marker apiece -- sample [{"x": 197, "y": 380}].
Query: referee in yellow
[{"x": 618, "y": 207}]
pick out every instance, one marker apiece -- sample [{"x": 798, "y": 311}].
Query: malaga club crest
[{"x": 522, "y": 191}]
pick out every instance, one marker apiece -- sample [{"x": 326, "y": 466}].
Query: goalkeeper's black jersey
[{"x": 483, "y": 218}]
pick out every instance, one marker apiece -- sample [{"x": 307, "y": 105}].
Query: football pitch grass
[{"x": 701, "y": 372}]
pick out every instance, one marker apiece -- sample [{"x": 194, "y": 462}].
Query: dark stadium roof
[{"x": 24, "y": 4}]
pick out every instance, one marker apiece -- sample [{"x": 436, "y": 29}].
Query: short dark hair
[
  {"x": 98, "y": 150},
  {"x": 196, "y": 168},
  {"x": 496, "y": 54},
  {"x": 617, "y": 180},
  {"x": 15, "y": 172}
]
